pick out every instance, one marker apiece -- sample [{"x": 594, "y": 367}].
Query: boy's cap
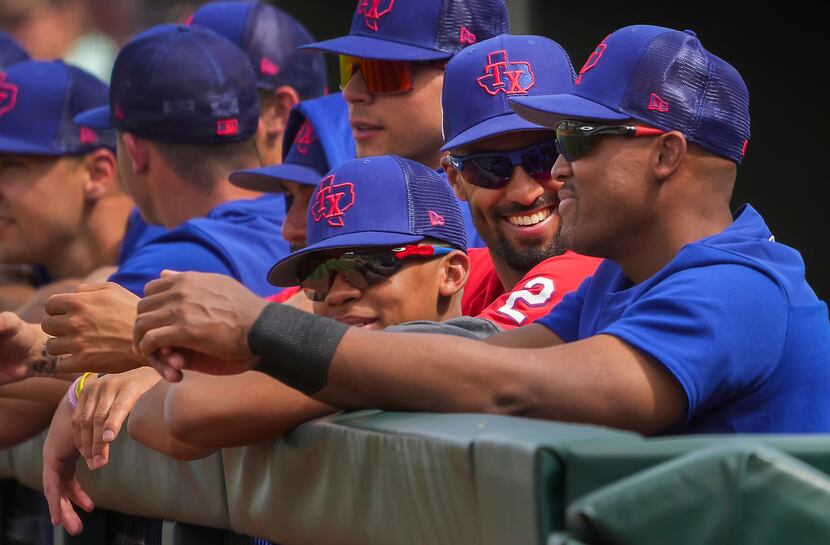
[
  {"x": 480, "y": 79},
  {"x": 418, "y": 30},
  {"x": 377, "y": 202},
  {"x": 38, "y": 101},
  {"x": 662, "y": 77},
  {"x": 11, "y": 52},
  {"x": 270, "y": 37},
  {"x": 180, "y": 84}
]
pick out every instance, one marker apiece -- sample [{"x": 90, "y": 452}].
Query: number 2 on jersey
[{"x": 528, "y": 298}]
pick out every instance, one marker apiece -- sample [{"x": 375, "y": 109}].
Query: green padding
[
  {"x": 404, "y": 478},
  {"x": 140, "y": 481},
  {"x": 592, "y": 466},
  {"x": 738, "y": 493}
]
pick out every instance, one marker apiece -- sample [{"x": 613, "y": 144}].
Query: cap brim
[
  {"x": 374, "y": 48},
  {"x": 284, "y": 273},
  {"x": 96, "y": 118},
  {"x": 495, "y": 126},
  {"x": 548, "y": 110},
  {"x": 269, "y": 179},
  {"x": 16, "y": 146}
]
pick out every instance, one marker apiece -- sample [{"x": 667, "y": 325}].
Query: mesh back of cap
[
  {"x": 482, "y": 18},
  {"x": 430, "y": 196},
  {"x": 706, "y": 99}
]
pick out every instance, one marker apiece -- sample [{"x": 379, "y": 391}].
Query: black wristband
[{"x": 295, "y": 347}]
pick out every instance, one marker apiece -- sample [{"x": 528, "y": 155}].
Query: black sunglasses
[
  {"x": 493, "y": 170},
  {"x": 575, "y": 138},
  {"x": 362, "y": 269}
]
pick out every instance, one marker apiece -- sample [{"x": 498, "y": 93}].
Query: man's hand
[
  {"x": 21, "y": 346},
  {"x": 94, "y": 326},
  {"x": 103, "y": 406},
  {"x": 196, "y": 320},
  {"x": 60, "y": 486}
]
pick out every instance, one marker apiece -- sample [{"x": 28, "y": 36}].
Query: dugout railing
[{"x": 411, "y": 478}]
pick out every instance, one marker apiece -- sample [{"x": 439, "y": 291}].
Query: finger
[
  {"x": 51, "y": 489},
  {"x": 163, "y": 337},
  {"x": 167, "y": 373},
  {"x": 61, "y": 303},
  {"x": 159, "y": 285},
  {"x": 118, "y": 413},
  {"x": 71, "y": 364},
  {"x": 78, "y": 496},
  {"x": 58, "y": 346},
  {"x": 56, "y": 325},
  {"x": 102, "y": 414},
  {"x": 148, "y": 320},
  {"x": 178, "y": 358},
  {"x": 91, "y": 286},
  {"x": 69, "y": 519},
  {"x": 103, "y": 458},
  {"x": 86, "y": 421}
]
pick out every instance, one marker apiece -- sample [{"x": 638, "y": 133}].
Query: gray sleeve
[{"x": 471, "y": 328}]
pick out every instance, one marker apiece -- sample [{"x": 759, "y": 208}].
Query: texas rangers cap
[
  {"x": 659, "y": 76},
  {"x": 180, "y": 84},
  {"x": 479, "y": 80},
  {"x": 381, "y": 202},
  {"x": 11, "y": 52},
  {"x": 38, "y": 101},
  {"x": 270, "y": 37},
  {"x": 309, "y": 152},
  {"x": 418, "y": 30}
]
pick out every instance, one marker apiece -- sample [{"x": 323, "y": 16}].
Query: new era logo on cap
[
  {"x": 510, "y": 78},
  {"x": 466, "y": 37},
  {"x": 332, "y": 201},
  {"x": 658, "y": 104},
  {"x": 8, "y": 95},
  {"x": 373, "y": 10},
  {"x": 305, "y": 137},
  {"x": 267, "y": 67}
]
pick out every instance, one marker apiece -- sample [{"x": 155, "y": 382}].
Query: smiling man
[{"x": 500, "y": 164}]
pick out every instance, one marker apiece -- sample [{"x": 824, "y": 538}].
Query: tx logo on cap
[
  {"x": 372, "y": 10},
  {"x": 593, "y": 59},
  {"x": 8, "y": 95},
  {"x": 305, "y": 137},
  {"x": 511, "y": 78},
  {"x": 332, "y": 201}
]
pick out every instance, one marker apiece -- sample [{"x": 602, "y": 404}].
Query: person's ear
[
  {"x": 456, "y": 268},
  {"x": 101, "y": 172},
  {"x": 454, "y": 178},
  {"x": 138, "y": 152},
  {"x": 671, "y": 153},
  {"x": 274, "y": 110}
]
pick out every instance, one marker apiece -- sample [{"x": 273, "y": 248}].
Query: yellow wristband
[{"x": 80, "y": 386}]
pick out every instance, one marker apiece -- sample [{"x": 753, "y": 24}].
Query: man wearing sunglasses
[
  {"x": 500, "y": 164},
  {"x": 386, "y": 245},
  {"x": 696, "y": 322},
  {"x": 392, "y": 69}
]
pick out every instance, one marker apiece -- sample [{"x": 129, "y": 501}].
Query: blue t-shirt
[
  {"x": 732, "y": 318},
  {"x": 239, "y": 238},
  {"x": 138, "y": 233}
]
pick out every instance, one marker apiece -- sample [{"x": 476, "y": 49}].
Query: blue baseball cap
[
  {"x": 418, "y": 30},
  {"x": 662, "y": 77},
  {"x": 180, "y": 84},
  {"x": 270, "y": 37},
  {"x": 305, "y": 163},
  {"x": 317, "y": 138},
  {"x": 377, "y": 202},
  {"x": 480, "y": 79},
  {"x": 11, "y": 52},
  {"x": 38, "y": 101}
]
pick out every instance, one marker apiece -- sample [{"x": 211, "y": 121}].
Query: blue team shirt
[
  {"x": 138, "y": 233},
  {"x": 239, "y": 238},
  {"x": 732, "y": 318}
]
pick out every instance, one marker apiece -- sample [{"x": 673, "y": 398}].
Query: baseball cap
[
  {"x": 317, "y": 138},
  {"x": 38, "y": 101},
  {"x": 11, "y": 51},
  {"x": 480, "y": 79},
  {"x": 376, "y": 202},
  {"x": 270, "y": 37},
  {"x": 417, "y": 30},
  {"x": 662, "y": 77},
  {"x": 183, "y": 85}
]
